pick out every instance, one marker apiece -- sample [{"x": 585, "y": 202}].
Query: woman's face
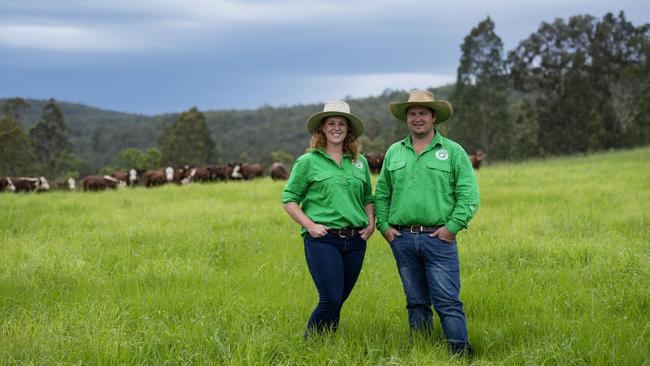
[{"x": 335, "y": 129}]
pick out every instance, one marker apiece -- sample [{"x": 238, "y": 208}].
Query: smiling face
[
  {"x": 335, "y": 129},
  {"x": 420, "y": 120}
]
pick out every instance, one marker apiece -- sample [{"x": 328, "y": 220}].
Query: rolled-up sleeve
[
  {"x": 367, "y": 189},
  {"x": 296, "y": 187},
  {"x": 466, "y": 192},
  {"x": 383, "y": 196}
]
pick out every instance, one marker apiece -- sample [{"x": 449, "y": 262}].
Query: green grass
[{"x": 555, "y": 269}]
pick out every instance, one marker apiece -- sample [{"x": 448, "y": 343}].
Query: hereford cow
[
  {"x": 477, "y": 159},
  {"x": 25, "y": 184},
  {"x": 133, "y": 177},
  {"x": 202, "y": 174},
  {"x": 6, "y": 185},
  {"x": 120, "y": 175},
  {"x": 159, "y": 177},
  {"x": 67, "y": 185},
  {"x": 246, "y": 172},
  {"x": 100, "y": 183},
  {"x": 279, "y": 172},
  {"x": 257, "y": 170},
  {"x": 220, "y": 172},
  {"x": 375, "y": 161}
]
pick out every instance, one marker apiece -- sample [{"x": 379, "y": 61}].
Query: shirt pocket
[
  {"x": 357, "y": 182},
  {"x": 439, "y": 175},
  {"x": 323, "y": 182},
  {"x": 397, "y": 171}
]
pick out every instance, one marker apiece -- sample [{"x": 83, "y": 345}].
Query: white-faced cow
[
  {"x": 25, "y": 184},
  {"x": 159, "y": 177},
  {"x": 375, "y": 161},
  {"x": 100, "y": 183},
  {"x": 6, "y": 185},
  {"x": 220, "y": 172},
  {"x": 477, "y": 159},
  {"x": 69, "y": 184},
  {"x": 120, "y": 175},
  {"x": 132, "y": 179},
  {"x": 246, "y": 172},
  {"x": 279, "y": 172}
]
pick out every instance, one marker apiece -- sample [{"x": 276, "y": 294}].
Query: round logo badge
[
  {"x": 442, "y": 154},
  {"x": 358, "y": 164}
]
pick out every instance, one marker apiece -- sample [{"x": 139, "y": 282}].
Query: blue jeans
[
  {"x": 334, "y": 263},
  {"x": 430, "y": 275}
]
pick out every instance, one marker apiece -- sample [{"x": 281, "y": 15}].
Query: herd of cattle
[
  {"x": 134, "y": 177},
  {"x": 183, "y": 175}
]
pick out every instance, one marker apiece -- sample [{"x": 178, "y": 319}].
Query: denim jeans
[
  {"x": 430, "y": 275},
  {"x": 334, "y": 263}
]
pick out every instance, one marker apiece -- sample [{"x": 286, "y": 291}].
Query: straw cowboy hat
[
  {"x": 336, "y": 108},
  {"x": 422, "y": 98}
]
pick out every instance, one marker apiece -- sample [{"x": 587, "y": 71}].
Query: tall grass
[{"x": 555, "y": 269}]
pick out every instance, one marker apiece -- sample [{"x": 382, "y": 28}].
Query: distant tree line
[{"x": 571, "y": 87}]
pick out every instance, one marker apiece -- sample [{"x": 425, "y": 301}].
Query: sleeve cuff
[
  {"x": 288, "y": 197},
  {"x": 383, "y": 227},
  {"x": 453, "y": 227}
]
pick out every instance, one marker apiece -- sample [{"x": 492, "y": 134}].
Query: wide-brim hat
[
  {"x": 422, "y": 98},
  {"x": 336, "y": 108}
]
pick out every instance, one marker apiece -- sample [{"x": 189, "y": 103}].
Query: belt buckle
[
  {"x": 419, "y": 227},
  {"x": 341, "y": 233}
]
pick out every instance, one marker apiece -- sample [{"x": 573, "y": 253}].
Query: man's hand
[
  {"x": 444, "y": 235},
  {"x": 390, "y": 234}
]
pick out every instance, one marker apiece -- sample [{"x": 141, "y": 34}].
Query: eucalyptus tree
[
  {"x": 187, "y": 141},
  {"x": 480, "y": 97},
  {"x": 50, "y": 140}
]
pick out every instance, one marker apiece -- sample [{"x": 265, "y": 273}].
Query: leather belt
[
  {"x": 415, "y": 229},
  {"x": 345, "y": 232}
]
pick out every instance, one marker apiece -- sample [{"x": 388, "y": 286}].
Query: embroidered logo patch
[
  {"x": 358, "y": 164},
  {"x": 442, "y": 154}
]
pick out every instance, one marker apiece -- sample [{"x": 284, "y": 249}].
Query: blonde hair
[{"x": 350, "y": 144}]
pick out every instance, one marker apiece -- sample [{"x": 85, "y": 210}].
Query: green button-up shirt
[
  {"x": 330, "y": 194},
  {"x": 437, "y": 187}
]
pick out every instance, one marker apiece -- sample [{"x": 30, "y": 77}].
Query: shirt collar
[
  {"x": 437, "y": 140},
  {"x": 326, "y": 155}
]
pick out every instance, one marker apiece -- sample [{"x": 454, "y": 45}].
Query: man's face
[{"x": 419, "y": 120}]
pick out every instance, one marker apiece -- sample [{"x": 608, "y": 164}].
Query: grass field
[{"x": 555, "y": 269}]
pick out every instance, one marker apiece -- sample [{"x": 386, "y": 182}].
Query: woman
[{"x": 330, "y": 196}]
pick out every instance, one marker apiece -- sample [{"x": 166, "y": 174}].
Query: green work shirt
[
  {"x": 329, "y": 194},
  {"x": 436, "y": 188}
]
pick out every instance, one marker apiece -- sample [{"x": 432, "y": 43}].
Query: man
[{"x": 426, "y": 194}]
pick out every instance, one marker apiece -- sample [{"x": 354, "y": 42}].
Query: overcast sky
[{"x": 156, "y": 56}]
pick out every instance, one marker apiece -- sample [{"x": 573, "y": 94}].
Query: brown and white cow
[
  {"x": 69, "y": 184},
  {"x": 120, "y": 175},
  {"x": 477, "y": 158},
  {"x": 246, "y": 172},
  {"x": 279, "y": 172},
  {"x": 159, "y": 177},
  {"x": 6, "y": 185},
  {"x": 26, "y": 184},
  {"x": 375, "y": 161},
  {"x": 100, "y": 183},
  {"x": 220, "y": 172}
]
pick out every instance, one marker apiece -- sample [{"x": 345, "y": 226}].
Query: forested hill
[{"x": 99, "y": 135}]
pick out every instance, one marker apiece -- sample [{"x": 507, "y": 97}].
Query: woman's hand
[
  {"x": 367, "y": 231},
  {"x": 317, "y": 230}
]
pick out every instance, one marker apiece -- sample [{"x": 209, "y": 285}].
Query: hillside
[{"x": 99, "y": 135}]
